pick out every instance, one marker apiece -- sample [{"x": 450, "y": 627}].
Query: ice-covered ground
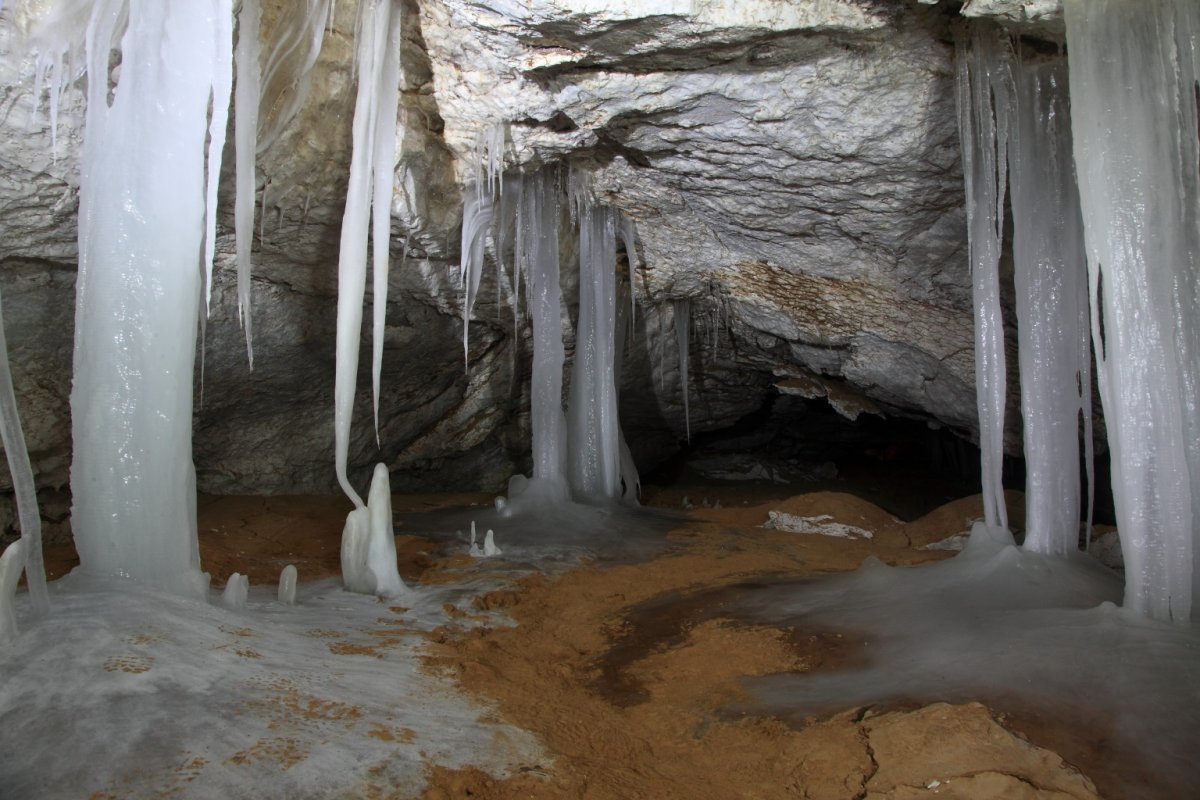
[
  {"x": 1025, "y": 633},
  {"x": 127, "y": 691}
]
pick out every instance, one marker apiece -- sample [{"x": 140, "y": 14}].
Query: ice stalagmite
[
  {"x": 369, "y": 543},
  {"x": 23, "y": 486},
  {"x": 374, "y": 37},
  {"x": 141, "y": 239},
  {"x": 1052, "y": 313},
  {"x": 245, "y": 130},
  {"x": 984, "y": 100},
  {"x": 1133, "y": 77}
]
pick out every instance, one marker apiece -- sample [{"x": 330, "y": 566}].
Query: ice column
[
  {"x": 592, "y": 410},
  {"x": 141, "y": 240},
  {"x": 984, "y": 101},
  {"x": 537, "y": 245},
  {"x": 1052, "y": 313},
  {"x": 1133, "y": 76}
]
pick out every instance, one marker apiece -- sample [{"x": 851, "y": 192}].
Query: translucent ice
[
  {"x": 245, "y": 101},
  {"x": 295, "y": 45}
]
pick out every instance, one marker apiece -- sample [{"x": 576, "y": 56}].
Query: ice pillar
[
  {"x": 984, "y": 100},
  {"x": 1052, "y": 312},
  {"x": 141, "y": 240},
  {"x": 1133, "y": 66}
]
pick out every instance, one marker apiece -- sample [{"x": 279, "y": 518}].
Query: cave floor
[{"x": 611, "y": 666}]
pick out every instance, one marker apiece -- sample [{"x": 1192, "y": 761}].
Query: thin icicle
[
  {"x": 683, "y": 315},
  {"x": 352, "y": 261},
  {"x": 984, "y": 100},
  {"x": 478, "y": 210},
  {"x": 388, "y": 101},
  {"x": 628, "y": 237},
  {"x": 24, "y": 486},
  {"x": 245, "y": 132}
]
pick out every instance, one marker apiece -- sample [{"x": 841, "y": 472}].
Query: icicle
[
  {"x": 295, "y": 46},
  {"x": 683, "y": 313},
  {"x": 984, "y": 101},
  {"x": 24, "y": 486},
  {"x": 1050, "y": 276},
  {"x": 630, "y": 481},
  {"x": 374, "y": 30},
  {"x": 628, "y": 237},
  {"x": 387, "y": 100},
  {"x": 245, "y": 130},
  {"x": 222, "y": 89},
  {"x": 478, "y": 211},
  {"x": 1133, "y": 76}
]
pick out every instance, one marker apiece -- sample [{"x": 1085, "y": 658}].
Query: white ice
[
  {"x": 287, "y": 585},
  {"x": 246, "y": 98},
  {"x": 12, "y": 563},
  {"x": 141, "y": 238},
  {"x": 237, "y": 589},
  {"x": 1133, "y": 76}
]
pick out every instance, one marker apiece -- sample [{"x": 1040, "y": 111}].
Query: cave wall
[{"x": 793, "y": 170}]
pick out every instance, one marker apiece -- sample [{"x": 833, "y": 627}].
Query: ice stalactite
[
  {"x": 387, "y": 97},
  {"x": 1134, "y": 78},
  {"x": 479, "y": 212},
  {"x": 1050, "y": 276},
  {"x": 377, "y": 34},
  {"x": 141, "y": 236},
  {"x": 984, "y": 103},
  {"x": 245, "y": 100},
  {"x": 295, "y": 45},
  {"x": 683, "y": 316},
  {"x": 23, "y": 487}
]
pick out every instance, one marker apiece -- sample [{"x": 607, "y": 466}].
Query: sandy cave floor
[{"x": 622, "y": 676}]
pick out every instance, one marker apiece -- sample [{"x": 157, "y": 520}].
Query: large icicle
[
  {"x": 1052, "y": 313},
  {"x": 1133, "y": 75},
  {"x": 245, "y": 132},
  {"x": 373, "y": 37},
  {"x": 218, "y": 125},
  {"x": 984, "y": 100},
  {"x": 384, "y": 166},
  {"x": 141, "y": 238},
  {"x": 24, "y": 486}
]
